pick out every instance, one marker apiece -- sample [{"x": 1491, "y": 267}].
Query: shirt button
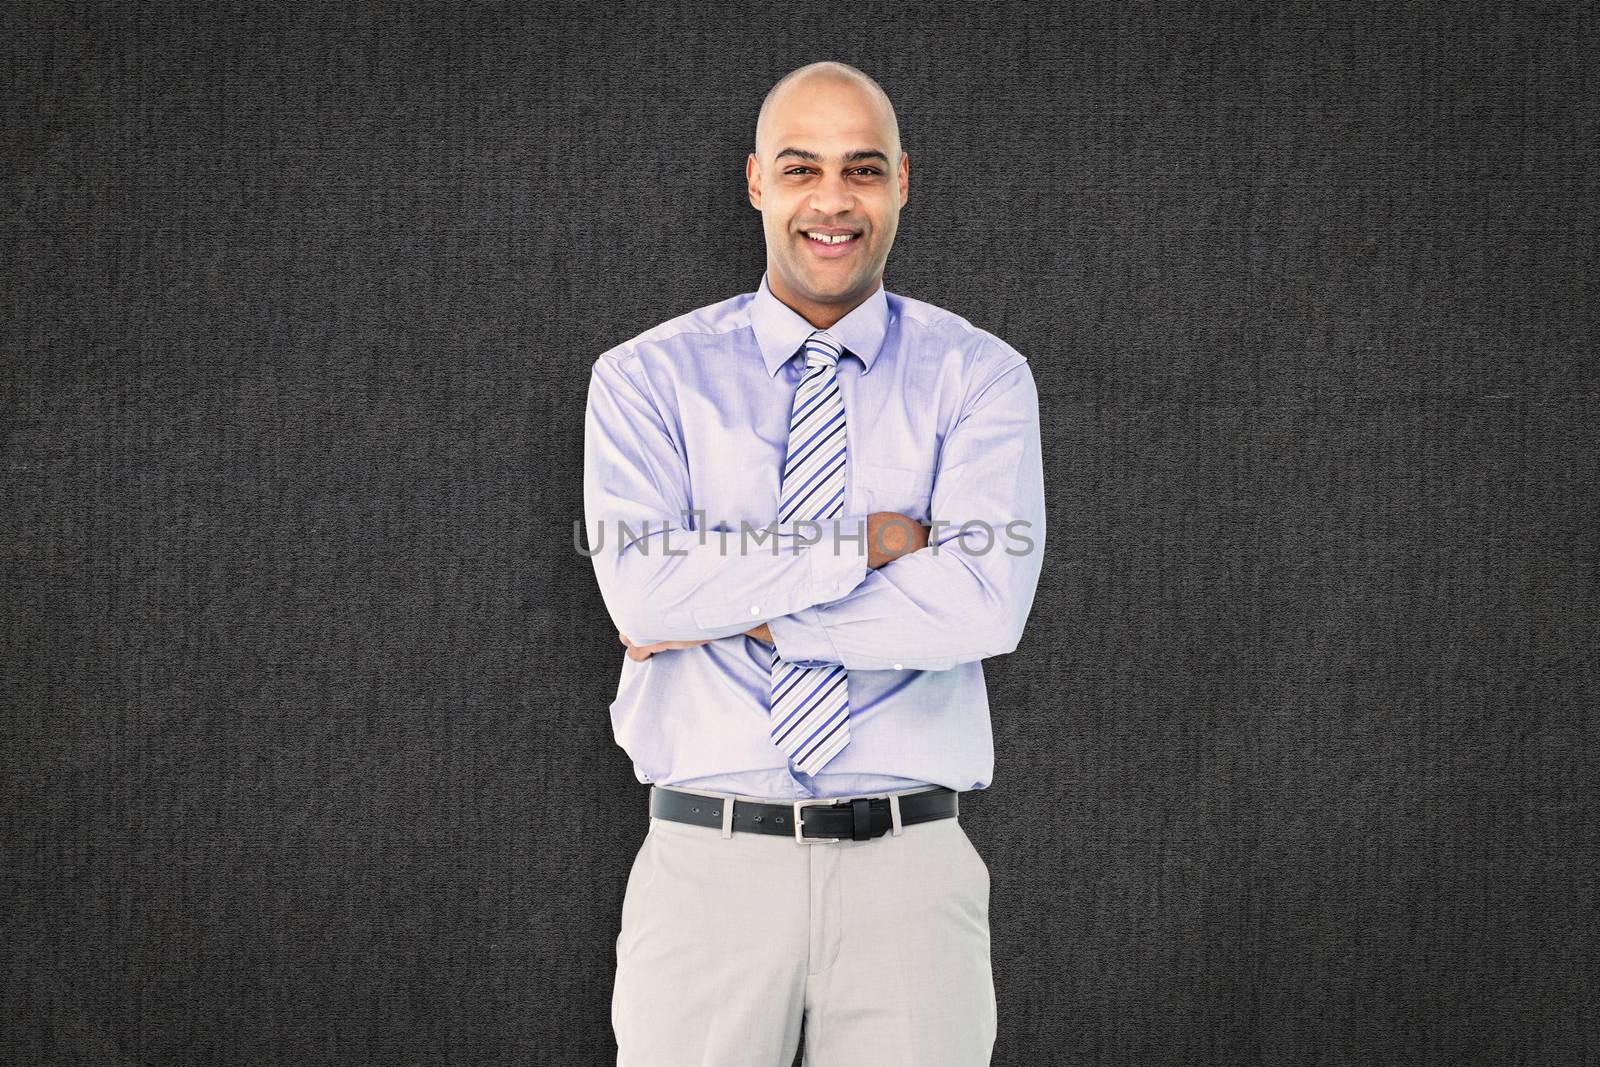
[
  {"x": 755, "y": 609},
  {"x": 898, "y": 667}
]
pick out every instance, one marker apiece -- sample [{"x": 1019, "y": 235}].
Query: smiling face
[{"x": 827, "y": 162}]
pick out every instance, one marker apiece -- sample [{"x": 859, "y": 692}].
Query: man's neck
[{"x": 819, "y": 315}]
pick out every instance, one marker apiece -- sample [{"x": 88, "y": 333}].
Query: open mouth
[{"x": 830, "y": 245}]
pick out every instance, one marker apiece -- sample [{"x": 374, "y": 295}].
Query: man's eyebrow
[{"x": 849, "y": 157}]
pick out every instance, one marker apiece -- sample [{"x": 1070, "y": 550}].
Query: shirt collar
[{"x": 781, "y": 330}]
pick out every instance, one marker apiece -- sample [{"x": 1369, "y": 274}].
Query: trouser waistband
[{"x": 809, "y": 821}]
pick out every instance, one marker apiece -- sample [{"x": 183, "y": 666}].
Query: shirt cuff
[
  {"x": 839, "y": 559},
  {"x": 836, "y": 569},
  {"x": 800, "y": 639}
]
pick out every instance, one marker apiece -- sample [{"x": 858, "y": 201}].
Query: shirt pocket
[{"x": 905, "y": 490}]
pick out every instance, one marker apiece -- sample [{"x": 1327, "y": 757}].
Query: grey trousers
[{"x": 882, "y": 944}]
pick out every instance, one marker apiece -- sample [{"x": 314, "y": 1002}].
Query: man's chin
[{"x": 830, "y": 284}]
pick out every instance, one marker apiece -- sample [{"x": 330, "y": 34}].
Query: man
[{"x": 808, "y": 702}]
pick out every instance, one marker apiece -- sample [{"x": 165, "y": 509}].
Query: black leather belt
[{"x": 813, "y": 821}]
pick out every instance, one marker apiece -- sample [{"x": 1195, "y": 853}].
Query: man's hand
[
  {"x": 644, "y": 652},
  {"x": 891, "y": 535}
]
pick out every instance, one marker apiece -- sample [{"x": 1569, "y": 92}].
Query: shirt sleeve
[
  {"x": 968, "y": 594},
  {"x": 660, "y": 577}
]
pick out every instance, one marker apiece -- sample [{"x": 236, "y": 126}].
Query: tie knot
[{"x": 822, "y": 349}]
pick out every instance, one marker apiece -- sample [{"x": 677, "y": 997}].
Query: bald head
[{"x": 793, "y": 88}]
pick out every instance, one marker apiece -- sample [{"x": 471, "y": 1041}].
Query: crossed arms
[
  {"x": 889, "y": 534},
  {"x": 903, "y": 596}
]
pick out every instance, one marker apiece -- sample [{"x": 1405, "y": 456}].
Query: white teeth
[{"x": 825, "y": 239}]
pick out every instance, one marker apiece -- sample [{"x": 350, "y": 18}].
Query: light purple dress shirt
[{"x": 684, "y": 441}]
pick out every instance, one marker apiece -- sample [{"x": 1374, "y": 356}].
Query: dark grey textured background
[{"x": 307, "y": 757}]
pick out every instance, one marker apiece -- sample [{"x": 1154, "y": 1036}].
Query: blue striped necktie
[{"x": 810, "y": 709}]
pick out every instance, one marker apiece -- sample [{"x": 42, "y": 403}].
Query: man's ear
[{"x": 752, "y": 177}]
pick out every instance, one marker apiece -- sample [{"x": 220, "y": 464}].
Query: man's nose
[{"x": 832, "y": 196}]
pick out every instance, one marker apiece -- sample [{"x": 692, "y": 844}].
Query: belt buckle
[{"x": 799, "y": 826}]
